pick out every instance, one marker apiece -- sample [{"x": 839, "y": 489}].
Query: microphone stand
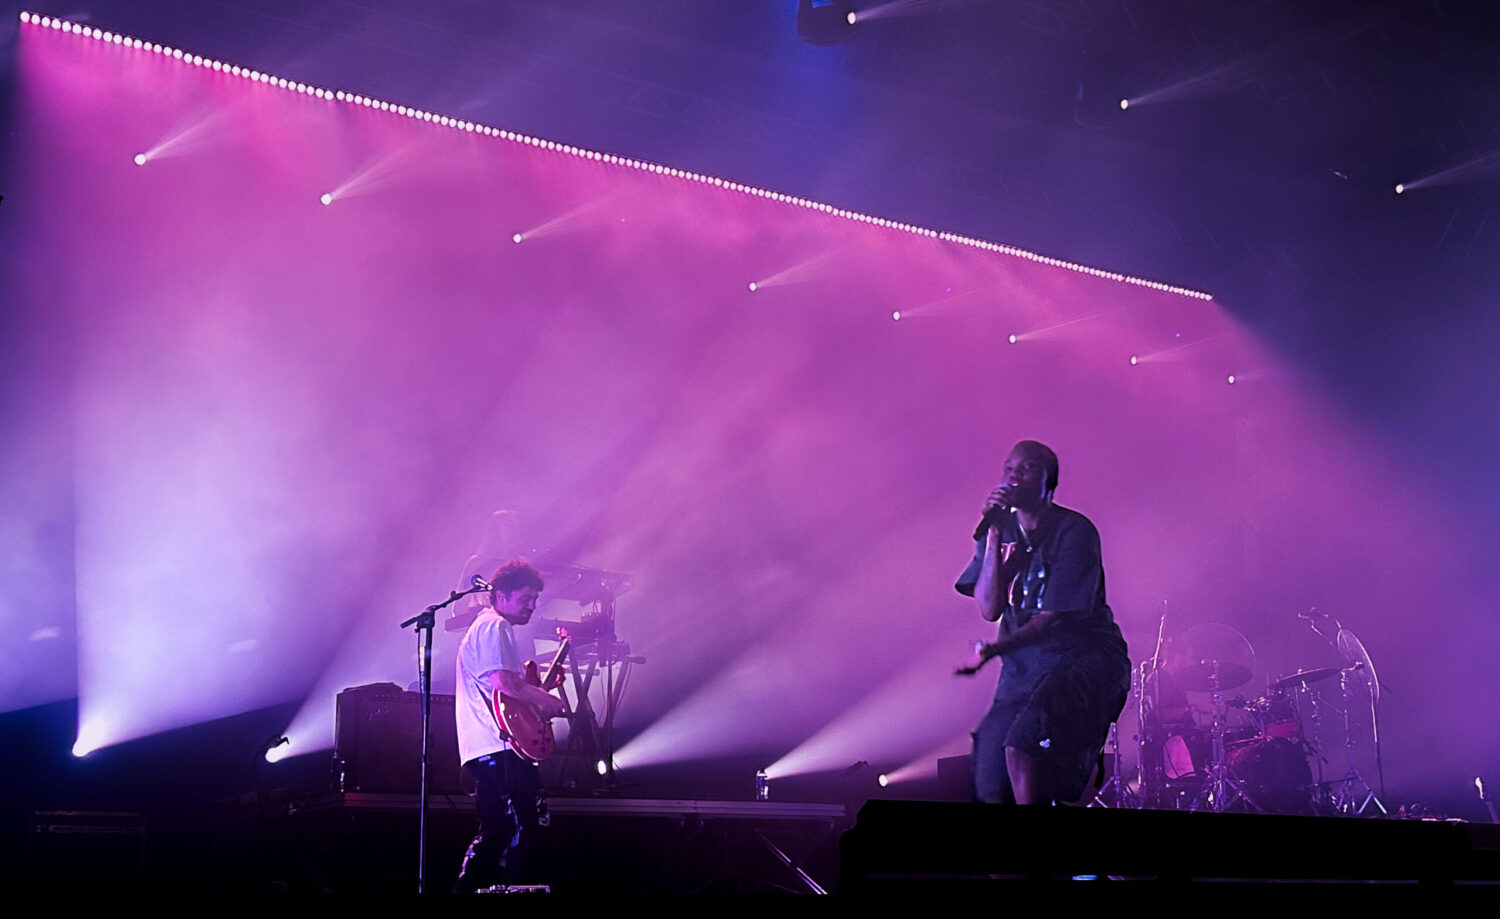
[{"x": 424, "y": 622}]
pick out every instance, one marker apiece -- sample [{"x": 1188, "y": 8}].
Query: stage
[{"x": 365, "y": 844}]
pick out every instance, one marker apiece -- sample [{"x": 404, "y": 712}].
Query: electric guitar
[{"x": 530, "y": 734}]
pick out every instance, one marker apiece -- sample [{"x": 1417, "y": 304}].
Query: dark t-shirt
[{"x": 1065, "y": 574}]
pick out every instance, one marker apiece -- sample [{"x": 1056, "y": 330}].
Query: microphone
[
  {"x": 480, "y": 583},
  {"x": 995, "y": 516}
]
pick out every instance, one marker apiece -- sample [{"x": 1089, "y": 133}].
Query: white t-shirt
[{"x": 489, "y": 644}]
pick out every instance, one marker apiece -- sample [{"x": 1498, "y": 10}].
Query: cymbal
[
  {"x": 1196, "y": 651},
  {"x": 1199, "y": 677},
  {"x": 1353, "y": 651},
  {"x": 1304, "y": 676}
]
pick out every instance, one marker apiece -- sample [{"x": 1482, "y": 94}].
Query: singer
[{"x": 1064, "y": 671}]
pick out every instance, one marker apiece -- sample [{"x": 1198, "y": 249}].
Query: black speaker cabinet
[{"x": 378, "y": 741}]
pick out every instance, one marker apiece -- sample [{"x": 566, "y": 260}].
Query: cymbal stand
[
  {"x": 1221, "y": 788},
  {"x": 1354, "y": 795},
  {"x": 1150, "y": 787},
  {"x": 1123, "y": 797},
  {"x": 1314, "y": 746},
  {"x": 1152, "y": 782}
]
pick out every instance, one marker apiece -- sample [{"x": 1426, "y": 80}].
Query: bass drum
[
  {"x": 1187, "y": 754},
  {"x": 1274, "y": 774}
]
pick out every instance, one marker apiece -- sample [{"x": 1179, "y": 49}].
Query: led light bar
[{"x": 62, "y": 25}]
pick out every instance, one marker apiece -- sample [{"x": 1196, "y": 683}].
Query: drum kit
[{"x": 1265, "y": 754}]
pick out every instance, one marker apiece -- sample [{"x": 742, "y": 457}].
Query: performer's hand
[
  {"x": 1000, "y": 497},
  {"x": 552, "y": 708},
  {"x": 981, "y": 656}
]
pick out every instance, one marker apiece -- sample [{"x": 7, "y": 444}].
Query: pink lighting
[
  {"x": 269, "y": 414},
  {"x": 659, "y": 169},
  {"x": 140, "y": 159}
]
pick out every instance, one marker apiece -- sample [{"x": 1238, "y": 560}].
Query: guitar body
[{"x": 530, "y": 734}]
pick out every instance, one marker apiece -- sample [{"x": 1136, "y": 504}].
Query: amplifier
[{"x": 378, "y": 742}]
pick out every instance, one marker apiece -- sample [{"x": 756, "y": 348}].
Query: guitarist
[{"x": 507, "y": 788}]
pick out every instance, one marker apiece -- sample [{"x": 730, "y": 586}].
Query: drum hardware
[
  {"x": 1150, "y": 779},
  {"x": 1221, "y": 787},
  {"x": 1353, "y": 795},
  {"x": 1239, "y": 754},
  {"x": 1277, "y": 714},
  {"x": 1148, "y": 673},
  {"x": 1117, "y": 786}
]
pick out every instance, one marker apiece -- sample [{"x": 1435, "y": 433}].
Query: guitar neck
[{"x": 554, "y": 676}]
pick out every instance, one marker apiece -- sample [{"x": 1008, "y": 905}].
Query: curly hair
[{"x": 515, "y": 575}]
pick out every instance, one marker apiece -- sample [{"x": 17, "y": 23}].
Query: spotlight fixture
[
  {"x": 839, "y": 9},
  {"x": 1013, "y": 339},
  {"x": 752, "y": 287},
  {"x": 140, "y": 159},
  {"x": 896, "y": 315},
  {"x": 517, "y": 238},
  {"x": 327, "y": 199},
  {"x": 825, "y": 22}
]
